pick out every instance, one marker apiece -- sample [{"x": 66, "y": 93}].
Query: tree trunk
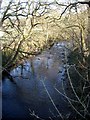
[{"x": 83, "y": 43}]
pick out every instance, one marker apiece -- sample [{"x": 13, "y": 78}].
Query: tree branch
[{"x": 73, "y": 5}]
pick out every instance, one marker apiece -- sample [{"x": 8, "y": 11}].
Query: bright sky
[
  {"x": 5, "y": 2},
  {"x": 63, "y": 1}
]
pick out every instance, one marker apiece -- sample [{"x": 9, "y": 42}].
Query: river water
[{"x": 33, "y": 90}]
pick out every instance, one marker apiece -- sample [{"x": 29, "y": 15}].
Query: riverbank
[{"x": 78, "y": 75}]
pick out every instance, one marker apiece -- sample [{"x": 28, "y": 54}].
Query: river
[{"x": 33, "y": 93}]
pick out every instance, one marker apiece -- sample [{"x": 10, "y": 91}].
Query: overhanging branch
[{"x": 73, "y": 5}]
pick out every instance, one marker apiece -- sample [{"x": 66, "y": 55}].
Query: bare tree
[
  {"x": 74, "y": 5},
  {"x": 18, "y": 20}
]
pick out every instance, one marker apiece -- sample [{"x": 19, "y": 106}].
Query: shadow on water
[{"x": 29, "y": 93}]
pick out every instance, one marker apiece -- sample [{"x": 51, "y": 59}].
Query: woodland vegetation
[{"x": 32, "y": 26}]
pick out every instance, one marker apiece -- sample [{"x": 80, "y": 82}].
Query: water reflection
[{"x": 29, "y": 92}]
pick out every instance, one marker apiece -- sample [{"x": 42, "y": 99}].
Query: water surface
[{"x": 28, "y": 94}]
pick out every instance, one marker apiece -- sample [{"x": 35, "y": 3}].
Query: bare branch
[{"x": 71, "y": 5}]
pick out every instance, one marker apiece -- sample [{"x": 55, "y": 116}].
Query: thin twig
[{"x": 52, "y": 100}]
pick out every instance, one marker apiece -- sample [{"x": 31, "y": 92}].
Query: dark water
[{"x": 32, "y": 80}]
